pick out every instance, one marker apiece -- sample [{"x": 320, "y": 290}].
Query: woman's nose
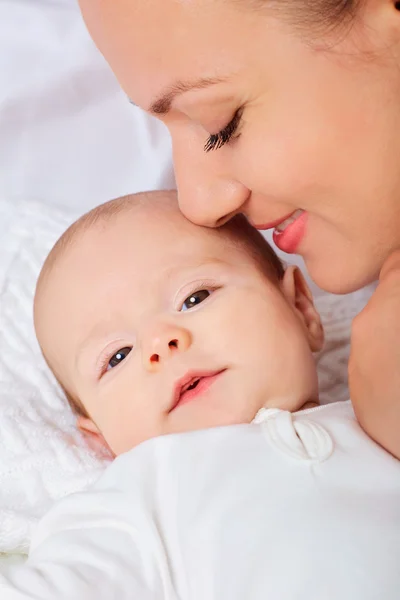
[
  {"x": 162, "y": 343},
  {"x": 207, "y": 195}
]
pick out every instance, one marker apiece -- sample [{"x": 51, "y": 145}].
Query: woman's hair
[{"x": 312, "y": 15}]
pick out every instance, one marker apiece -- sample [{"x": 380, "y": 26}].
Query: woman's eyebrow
[{"x": 162, "y": 104}]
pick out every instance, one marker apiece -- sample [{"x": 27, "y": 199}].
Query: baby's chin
[
  {"x": 188, "y": 421},
  {"x": 293, "y": 405}
]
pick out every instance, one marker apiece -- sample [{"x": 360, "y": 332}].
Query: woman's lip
[
  {"x": 206, "y": 379},
  {"x": 273, "y": 224},
  {"x": 289, "y": 239}
]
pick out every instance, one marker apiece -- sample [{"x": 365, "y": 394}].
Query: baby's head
[{"x": 154, "y": 325}]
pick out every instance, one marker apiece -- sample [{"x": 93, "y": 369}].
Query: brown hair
[
  {"x": 318, "y": 16},
  {"x": 241, "y": 232}
]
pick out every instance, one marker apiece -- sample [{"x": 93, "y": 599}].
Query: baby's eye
[
  {"x": 195, "y": 299},
  {"x": 118, "y": 357}
]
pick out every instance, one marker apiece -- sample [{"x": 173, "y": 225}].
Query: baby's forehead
[
  {"x": 141, "y": 235},
  {"x": 144, "y": 228},
  {"x": 124, "y": 215},
  {"x": 144, "y": 246},
  {"x": 145, "y": 235},
  {"x": 105, "y": 264}
]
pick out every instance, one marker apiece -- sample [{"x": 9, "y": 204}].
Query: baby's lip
[{"x": 192, "y": 378}]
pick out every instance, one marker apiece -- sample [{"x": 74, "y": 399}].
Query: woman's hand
[{"x": 374, "y": 367}]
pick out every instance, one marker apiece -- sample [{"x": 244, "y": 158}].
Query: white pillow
[{"x": 42, "y": 455}]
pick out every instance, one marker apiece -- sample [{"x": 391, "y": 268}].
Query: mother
[{"x": 289, "y": 112}]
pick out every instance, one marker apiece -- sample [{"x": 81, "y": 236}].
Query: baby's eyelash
[
  {"x": 102, "y": 366},
  {"x": 209, "y": 285},
  {"x": 217, "y": 140}
]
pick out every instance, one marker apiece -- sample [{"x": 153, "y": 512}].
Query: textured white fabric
[
  {"x": 337, "y": 313},
  {"x": 296, "y": 507},
  {"x": 42, "y": 457}
]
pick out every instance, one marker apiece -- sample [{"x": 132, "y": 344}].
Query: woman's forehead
[{"x": 161, "y": 45}]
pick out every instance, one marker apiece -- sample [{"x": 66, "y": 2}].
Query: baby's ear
[
  {"x": 94, "y": 438},
  {"x": 298, "y": 293}
]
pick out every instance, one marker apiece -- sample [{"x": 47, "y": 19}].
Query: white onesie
[{"x": 290, "y": 507}]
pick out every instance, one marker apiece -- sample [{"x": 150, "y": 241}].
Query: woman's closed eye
[
  {"x": 194, "y": 299},
  {"x": 217, "y": 140},
  {"x": 118, "y": 357}
]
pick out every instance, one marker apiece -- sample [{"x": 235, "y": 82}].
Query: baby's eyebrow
[
  {"x": 206, "y": 261},
  {"x": 162, "y": 105}
]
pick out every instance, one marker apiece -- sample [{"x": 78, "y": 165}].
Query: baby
[
  {"x": 139, "y": 313},
  {"x": 188, "y": 353}
]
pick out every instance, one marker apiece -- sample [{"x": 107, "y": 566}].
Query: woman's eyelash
[{"x": 217, "y": 140}]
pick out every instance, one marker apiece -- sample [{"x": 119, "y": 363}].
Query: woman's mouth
[
  {"x": 289, "y": 233},
  {"x": 192, "y": 386}
]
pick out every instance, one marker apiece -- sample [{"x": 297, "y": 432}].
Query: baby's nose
[{"x": 162, "y": 343}]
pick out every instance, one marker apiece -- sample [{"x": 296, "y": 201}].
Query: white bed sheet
[{"x": 7, "y": 560}]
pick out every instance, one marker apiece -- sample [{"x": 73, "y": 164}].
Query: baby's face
[{"x": 159, "y": 326}]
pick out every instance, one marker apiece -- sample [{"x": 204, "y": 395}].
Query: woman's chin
[{"x": 337, "y": 278}]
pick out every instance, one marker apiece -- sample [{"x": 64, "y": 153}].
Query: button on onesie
[{"x": 300, "y": 439}]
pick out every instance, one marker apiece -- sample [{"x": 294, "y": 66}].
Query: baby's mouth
[{"x": 192, "y": 386}]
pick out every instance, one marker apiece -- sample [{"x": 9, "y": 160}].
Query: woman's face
[{"x": 265, "y": 122}]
